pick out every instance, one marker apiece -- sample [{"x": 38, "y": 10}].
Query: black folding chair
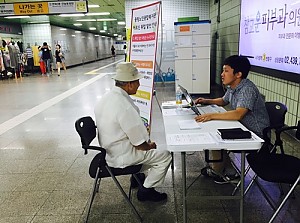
[
  {"x": 99, "y": 169},
  {"x": 277, "y": 168},
  {"x": 276, "y": 112}
]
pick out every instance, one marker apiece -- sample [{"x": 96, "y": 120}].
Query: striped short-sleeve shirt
[
  {"x": 29, "y": 52},
  {"x": 246, "y": 95}
]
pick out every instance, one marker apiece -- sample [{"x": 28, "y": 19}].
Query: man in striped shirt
[
  {"x": 29, "y": 54},
  {"x": 247, "y": 106}
]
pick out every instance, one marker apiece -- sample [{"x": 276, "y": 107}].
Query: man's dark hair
[
  {"x": 44, "y": 43},
  {"x": 238, "y": 64}
]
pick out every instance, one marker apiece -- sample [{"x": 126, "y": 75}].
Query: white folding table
[{"x": 205, "y": 137}]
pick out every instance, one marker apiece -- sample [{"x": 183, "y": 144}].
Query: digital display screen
[{"x": 270, "y": 34}]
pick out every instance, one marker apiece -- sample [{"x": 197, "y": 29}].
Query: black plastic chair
[
  {"x": 276, "y": 112},
  {"x": 277, "y": 168},
  {"x": 99, "y": 169}
]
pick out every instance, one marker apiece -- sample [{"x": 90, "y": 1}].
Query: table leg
[
  {"x": 243, "y": 154},
  {"x": 172, "y": 163},
  {"x": 183, "y": 166}
]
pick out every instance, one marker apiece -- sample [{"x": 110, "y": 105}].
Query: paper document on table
[
  {"x": 253, "y": 138},
  {"x": 172, "y": 104},
  {"x": 189, "y": 124},
  {"x": 174, "y": 111},
  {"x": 189, "y": 139}
]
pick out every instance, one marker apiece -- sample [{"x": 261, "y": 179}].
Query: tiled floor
[{"x": 44, "y": 174}]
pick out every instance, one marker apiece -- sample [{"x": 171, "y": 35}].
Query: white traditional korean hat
[{"x": 126, "y": 71}]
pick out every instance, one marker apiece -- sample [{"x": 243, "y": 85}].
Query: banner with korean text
[
  {"x": 142, "y": 52},
  {"x": 43, "y": 8}
]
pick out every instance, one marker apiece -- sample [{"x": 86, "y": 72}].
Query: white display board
[
  {"x": 270, "y": 34},
  {"x": 142, "y": 52}
]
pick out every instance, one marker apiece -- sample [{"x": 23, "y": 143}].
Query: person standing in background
[
  {"x": 29, "y": 54},
  {"x": 42, "y": 64},
  {"x": 46, "y": 56},
  {"x": 113, "y": 51}
]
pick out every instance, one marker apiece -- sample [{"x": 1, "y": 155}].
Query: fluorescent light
[
  {"x": 86, "y": 20},
  {"x": 97, "y": 13},
  {"x": 102, "y": 31},
  {"x": 33, "y": 22},
  {"x": 17, "y": 17},
  {"x": 121, "y": 23},
  {"x": 96, "y": 35},
  {"x": 63, "y": 34},
  {"x": 73, "y": 35},
  {"x": 115, "y": 34},
  {"x": 77, "y": 31},
  {"x": 71, "y": 15},
  {"x": 103, "y": 20},
  {"x": 62, "y": 29},
  {"x": 77, "y": 24},
  {"x": 92, "y": 28},
  {"x": 93, "y": 6}
]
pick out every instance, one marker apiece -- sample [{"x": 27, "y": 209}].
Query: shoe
[
  {"x": 209, "y": 172},
  {"x": 150, "y": 194},
  {"x": 227, "y": 179},
  {"x": 133, "y": 181}
]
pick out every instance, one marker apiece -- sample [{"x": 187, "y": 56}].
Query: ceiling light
[
  {"x": 33, "y": 22},
  {"x": 86, "y": 20},
  {"x": 102, "y": 31},
  {"x": 77, "y": 31},
  {"x": 96, "y": 35},
  {"x": 93, "y": 6},
  {"x": 62, "y": 29},
  {"x": 115, "y": 34},
  {"x": 73, "y": 35},
  {"x": 71, "y": 15},
  {"x": 101, "y": 20},
  {"x": 97, "y": 13},
  {"x": 92, "y": 28},
  {"x": 77, "y": 24},
  {"x": 121, "y": 23},
  {"x": 17, "y": 17},
  {"x": 103, "y": 36}
]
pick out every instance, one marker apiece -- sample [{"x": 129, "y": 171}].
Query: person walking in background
[
  {"x": 125, "y": 51},
  {"x": 46, "y": 56},
  {"x": 42, "y": 64},
  {"x": 59, "y": 59},
  {"x": 63, "y": 60},
  {"x": 113, "y": 51}
]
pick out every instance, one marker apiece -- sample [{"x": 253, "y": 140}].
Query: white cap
[{"x": 126, "y": 71}]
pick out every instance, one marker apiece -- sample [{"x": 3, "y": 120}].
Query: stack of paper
[{"x": 172, "y": 104}]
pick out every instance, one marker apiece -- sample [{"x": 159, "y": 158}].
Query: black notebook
[{"x": 234, "y": 133}]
